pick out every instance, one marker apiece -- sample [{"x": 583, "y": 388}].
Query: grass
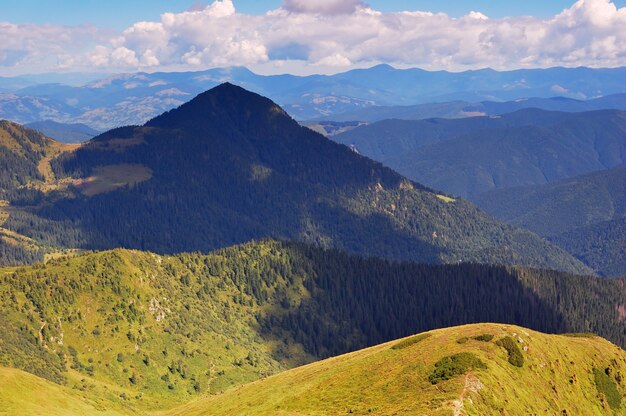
[
  {"x": 446, "y": 199},
  {"x": 109, "y": 178},
  {"x": 384, "y": 381},
  {"x": 558, "y": 377},
  {"x": 24, "y": 394}
]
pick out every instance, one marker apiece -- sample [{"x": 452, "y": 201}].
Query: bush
[
  {"x": 484, "y": 338},
  {"x": 410, "y": 341},
  {"x": 606, "y": 386},
  {"x": 515, "y": 353},
  {"x": 455, "y": 365},
  {"x": 581, "y": 335},
  {"x": 462, "y": 340}
]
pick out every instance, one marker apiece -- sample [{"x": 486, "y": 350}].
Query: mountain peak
[{"x": 225, "y": 102}]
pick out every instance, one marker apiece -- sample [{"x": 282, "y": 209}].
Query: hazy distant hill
[
  {"x": 463, "y": 109},
  {"x": 230, "y": 166},
  {"x": 64, "y": 133},
  {"x": 586, "y": 215},
  {"x": 135, "y": 98},
  {"x": 470, "y": 156}
]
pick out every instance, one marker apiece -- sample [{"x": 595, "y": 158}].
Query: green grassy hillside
[
  {"x": 151, "y": 331},
  {"x": 557, "y": 376},
  {"x": 464, "y": 370},
  {"x": 22, "y": 393}
]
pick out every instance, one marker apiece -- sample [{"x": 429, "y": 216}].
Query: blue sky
[{"x": 119, "y": 14}]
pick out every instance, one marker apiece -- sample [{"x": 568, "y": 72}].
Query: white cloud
[
  {"x": 329, "y": 34},
  {"x": 49, "y": 47},
  {"x": 328, "y": 7}
]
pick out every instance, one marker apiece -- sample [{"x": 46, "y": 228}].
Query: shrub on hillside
[
  {"x": 484, "y": 338},
  {"x": 454, "y": 365},
  {"x": 516, "y": 357},
  {"x": 607, "y": 387},
  {"x": 410, "y": 341}
]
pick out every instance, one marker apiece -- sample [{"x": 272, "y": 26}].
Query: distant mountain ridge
[
  {"x": 135, "y": 98},
  {"x": 64, "y": 133},
  {"x": 474, "y": 155},
  {"x": 585, "y": 215},
  {"x": 463, "y": 109},
  {"x": 231, "y": 166}
]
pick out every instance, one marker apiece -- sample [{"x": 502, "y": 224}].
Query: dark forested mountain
[
  {"x": 65, "y": 133},
  {"x": 135, "y": 98},
  {"x": 21, "y": 150},
  {"x": 586, "y": 215},
  {"x": 230, "y": 166},
  {"x": 463, "y": 109},
  {"x": 21, "y": 153},
  {"x": 471, "y": 156},
  {"x": 174, "y": 327}
]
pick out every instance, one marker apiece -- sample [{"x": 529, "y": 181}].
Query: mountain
[
  {"x": 585, "y": 215},
  {"x": 64, "y": 133},
  {"x": 470, "y": 156},
  {"x": 148, "y": 331},
  {"x": 135, "y": 98},
  {"x": 471, "y": 369},
  {"x": 231, "y": 166},
  {"x": 22, "y": 150},
  {"x": 463, "y": 109},
  {"x": 25, "y": 156}
]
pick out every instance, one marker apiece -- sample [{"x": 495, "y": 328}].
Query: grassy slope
[
  {"x": 557, "y": 375},
  {"x": 151, "y": 331},
  {"x": 25, "y": 394}
]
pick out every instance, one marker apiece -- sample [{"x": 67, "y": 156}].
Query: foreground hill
[
  {"x": 476, "y": 369},
  {"x": 149, "y": 331},
  {"x": 24, "y": 394},
  {"x": 231, "y": 166},
  {"x": 586, "y": 215},
  {"x": 470, "y": 156},
  {"x": 473, "y": 375}
]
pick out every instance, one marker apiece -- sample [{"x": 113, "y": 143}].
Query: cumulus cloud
[
  {"x": 338, "y": 34},
  {"x": 48, "y": 47},
  {"x": 328, "y": 7}
]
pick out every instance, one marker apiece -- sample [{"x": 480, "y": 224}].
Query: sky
[{"x": 307, "y": 36}]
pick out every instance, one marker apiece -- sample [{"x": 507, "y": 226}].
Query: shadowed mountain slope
[{"x": 231, "y": 166}]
